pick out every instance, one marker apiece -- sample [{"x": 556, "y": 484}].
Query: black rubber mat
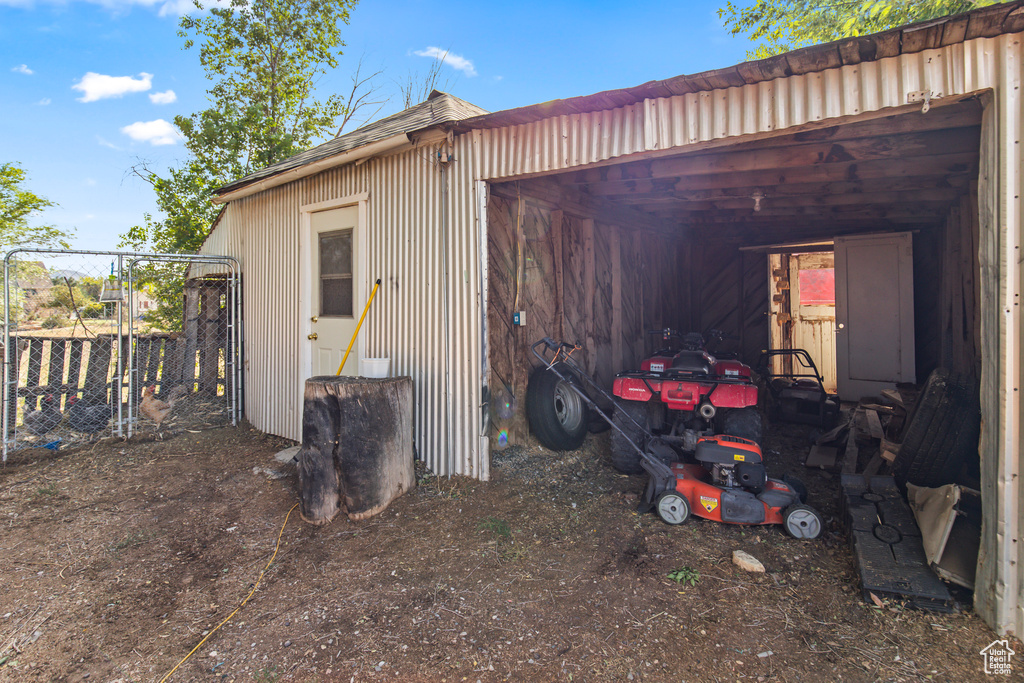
[{"x": 887, "y": 544}]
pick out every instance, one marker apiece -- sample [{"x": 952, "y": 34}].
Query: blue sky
[{"x": 88, "y": 88}]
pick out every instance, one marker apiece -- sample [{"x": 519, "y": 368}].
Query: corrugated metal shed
[{"x": 428, "y": 233}]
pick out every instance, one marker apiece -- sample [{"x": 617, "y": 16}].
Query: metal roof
[
  {"x": 437, "y": 109},
  {"x": 986, "y": 22}
]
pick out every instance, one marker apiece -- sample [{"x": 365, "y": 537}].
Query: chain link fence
[{"x": 106, "y": 343}]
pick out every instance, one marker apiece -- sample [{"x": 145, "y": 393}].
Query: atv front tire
[
  {"x": 744, "y": 423},
  {"x": 624, "y": 457},
  {"x": 556, "y": 413}
]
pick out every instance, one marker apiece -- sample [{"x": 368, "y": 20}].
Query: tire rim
[
  {"x": 803, "y": 524},
  {"x": 568, "y": 407},
  {"x": 672, "y": 509}
]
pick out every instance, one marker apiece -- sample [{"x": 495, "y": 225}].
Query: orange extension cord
[{"x": 228, "y": 618}]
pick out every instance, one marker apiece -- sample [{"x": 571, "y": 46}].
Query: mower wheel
[
  {"x": 742, "y": 422},
  {"x": 802, "y": 522},
  {"x": 556, "y": 413},
  {"x": 628, "y": 414},
  {"x": 673, "y": 508}
]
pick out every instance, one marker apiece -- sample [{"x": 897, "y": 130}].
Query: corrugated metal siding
[
  {"x": 406, "y": 242},
  {"x": 404, "y": 247}
]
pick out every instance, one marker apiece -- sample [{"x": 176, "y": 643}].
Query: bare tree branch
[
  {"x": 417, "y": 88},
  {"x": 363, "y": 88}
]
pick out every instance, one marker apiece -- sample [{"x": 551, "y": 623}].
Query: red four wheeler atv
[
  {"x": 726, "y": 483},
  {"x": 681, "y": 394}
]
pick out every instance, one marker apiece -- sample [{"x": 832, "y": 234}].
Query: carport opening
[{"x": 708, "y": 238}]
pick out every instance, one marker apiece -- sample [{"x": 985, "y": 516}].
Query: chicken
[
  {"x": 155, "y": 409},
  {"x": 87, "y": 418},
  {"x": 41, "y": 421}
]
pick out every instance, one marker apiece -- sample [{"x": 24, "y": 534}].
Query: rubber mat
[{"x": 887, "y": 544}]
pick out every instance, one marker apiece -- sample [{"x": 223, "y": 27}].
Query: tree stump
[{"x": 356, "y": 450}]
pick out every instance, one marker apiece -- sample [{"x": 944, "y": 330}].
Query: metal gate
[{"x": 90, "y": 335}]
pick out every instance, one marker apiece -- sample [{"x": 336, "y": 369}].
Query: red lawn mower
[
  {"x": 680, "y": 394},
  {"x": 726, "y": 483}
]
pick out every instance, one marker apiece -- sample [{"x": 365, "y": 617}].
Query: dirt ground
[{"x": 116, "y": 560}]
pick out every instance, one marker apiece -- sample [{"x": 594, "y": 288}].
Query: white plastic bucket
[{"x": 374, "y": 367}]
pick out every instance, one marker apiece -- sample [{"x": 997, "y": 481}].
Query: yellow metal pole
[{"x": 361, "y": 318}]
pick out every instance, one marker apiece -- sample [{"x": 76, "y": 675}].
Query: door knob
[
  {"x": 311, "y": 336},
  {"x": 315, "y": 318}
]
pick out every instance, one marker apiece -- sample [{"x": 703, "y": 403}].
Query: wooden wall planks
[{"x": 582, "y": 279}]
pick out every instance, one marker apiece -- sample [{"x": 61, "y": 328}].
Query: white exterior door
[
  {"x": 335, "y": 292},
  {"x": 874, "y": 313}
]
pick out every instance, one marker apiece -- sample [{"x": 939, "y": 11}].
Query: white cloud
[
  {"x": 457, "y": 62},
  {"x": 94, "y": 86},
  {"x": 165, "y": 97},
  {"x": 22, "y": 69},
  {"x": 156, "y": 133},
  {"x": 43, "y": 102}
]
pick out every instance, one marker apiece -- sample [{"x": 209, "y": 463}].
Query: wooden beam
[
  {"x": 888, "y": 148},
  {"x": 942, "y": 199},
  {"x": 660, "y": 187},
  {"x": 551, "y": 196},
  {"x": 849, "y": 171}
]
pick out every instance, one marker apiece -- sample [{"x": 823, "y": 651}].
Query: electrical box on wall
[{"x": 519, "y": 318}]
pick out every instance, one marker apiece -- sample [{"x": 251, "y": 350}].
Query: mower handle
[{"x": 550, "y": 345}]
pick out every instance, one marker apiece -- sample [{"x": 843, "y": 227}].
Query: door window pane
[
  {"x": 818, "y": 287},
  {"x": 336, "y": 296},
  {"x": 336, "y": 273}
]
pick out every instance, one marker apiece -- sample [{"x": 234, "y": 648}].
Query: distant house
[{"x": 33, "y": 280}]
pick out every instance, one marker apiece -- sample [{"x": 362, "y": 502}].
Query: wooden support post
[
  {"x": 97, "y": 370},
  {"x": 75, "y": 366},
  {"x": 35, "y": 363},
  {"x": 615, "y": 246},
  {"x": 589, "y": 285},
  {"x": 55, "y": 368},
  {"x": 356, "y": 450},
  {"x": 191, "y": 342},
  {"x": 153, "y": 363},
  {"x": 557, "y": 217}
]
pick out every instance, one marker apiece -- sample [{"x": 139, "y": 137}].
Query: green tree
[
  {"x": 17, "y": 207},
  {"x": 264, "y": 58},
  {"x": 782, "y": 25}
]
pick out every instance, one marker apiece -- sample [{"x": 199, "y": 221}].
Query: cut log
[{"x": 356, "y": 450}]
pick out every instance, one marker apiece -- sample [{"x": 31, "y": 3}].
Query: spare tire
[
  {"x": 942, "y": 433},
  {"x": 557, "y": 415}
]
